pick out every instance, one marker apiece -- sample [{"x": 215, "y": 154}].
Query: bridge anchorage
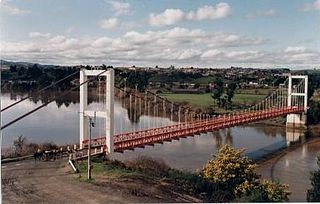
[{"x": 290, "y": 100}]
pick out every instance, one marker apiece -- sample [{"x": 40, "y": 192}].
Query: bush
[
  {"x": 313, "y": 194},
  {"x": 275, "y": 191},
  {"x": 235, "y": 177},
  {"x": 231, "y": 171}
]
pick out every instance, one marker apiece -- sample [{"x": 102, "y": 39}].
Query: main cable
[
  {"x": 45, "y": 104},
  {"x": 39, "y": 91}
]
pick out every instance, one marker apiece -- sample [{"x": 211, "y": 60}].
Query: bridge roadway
[{"x": 131, "y": 140}]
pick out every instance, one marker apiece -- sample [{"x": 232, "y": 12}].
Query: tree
[
  {"x": 231, "y": 90},
  {"x": 13, "y": 68},
  {"x": 19, "y": 144},
  {"x": 313, "y": 194},
  {"x": 218, "y": 90}
]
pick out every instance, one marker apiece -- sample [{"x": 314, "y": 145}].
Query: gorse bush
[
  {"x": 231, "y": 171},
  {"x": 236, "y": 177},
  {"x": 275, "y": 191}
]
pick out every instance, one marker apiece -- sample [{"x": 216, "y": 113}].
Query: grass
[
  {"x": 195, "y": 100},
  {"x": 205, "y": 100},
  {"x": 110, "y": 168},
  {"x": 260, "y": 91},
  {"x": 146, "y": 170},
  {"x": 247, "y": 98}
]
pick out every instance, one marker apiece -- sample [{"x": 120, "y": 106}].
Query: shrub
[
  {"x": 313, "y": 194},
  {"x": 235, "y": 177},
  {"x": 275, "y": 191},
  {"x": 231, "y": 171}
]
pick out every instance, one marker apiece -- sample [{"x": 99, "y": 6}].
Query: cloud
[
  {"x": 119, "y": 7},
  {"x": 109, "y": 23},
  {"x": 267, "y": 13},
  {"x": 178, "y": 46},
  {"x": 39, "y": 35},
  {"x": 221, "y": 10},
  {"x": 173, "y": 16},
  {"x": 312, "y": 6},
  {"x": 168, "y": 17},
  {"x": 295, "y": 49},
  {"x": 11, "y": 10}
]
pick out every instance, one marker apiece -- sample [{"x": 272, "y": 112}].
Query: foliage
[
  {"x": 218, "y": 90},
  {"x": 19, "y": 144},
  {"x": 275, "y": 191},
  {"x": 222, "y": 95},
  {"x": 235, "y": 175},
  {"x": 313, "y": 112},
  {"x": 313, "y": 194},
  {"x": 21, "y": 147},
  {"x": 231, "y": 171},
  {"x": 31, "y": 76},
  {"x": 149, "y": 166}
]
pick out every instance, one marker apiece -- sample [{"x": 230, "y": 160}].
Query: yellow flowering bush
[
  {"x": 231, "y": 170},
  {"x": 235, "y": 173},
  {"x": 276, "y": 192}
]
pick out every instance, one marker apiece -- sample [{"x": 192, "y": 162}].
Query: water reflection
[
  {"x": 59, "y": 122},
  {"x": 294, "y": 136}
]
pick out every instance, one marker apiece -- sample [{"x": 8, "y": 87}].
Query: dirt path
[{"x": 51, "y": 182}]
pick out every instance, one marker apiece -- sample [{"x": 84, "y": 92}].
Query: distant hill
[{"x": 26, "y": 64}]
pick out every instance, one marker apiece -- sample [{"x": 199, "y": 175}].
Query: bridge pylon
[
  {"x": 107, "y": 113},
  {"x": 297, "y": 97}
]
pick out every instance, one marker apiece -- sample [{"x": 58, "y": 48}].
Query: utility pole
[{"x": 91, "y": 124}]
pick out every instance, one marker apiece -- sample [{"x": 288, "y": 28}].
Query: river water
[{"x": 59, "y": 123}]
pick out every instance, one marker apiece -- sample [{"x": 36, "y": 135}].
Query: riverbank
[{"x": 292, "y": 166}]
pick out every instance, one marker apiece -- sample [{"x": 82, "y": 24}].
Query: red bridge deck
[{"x": 131, "y": 140}]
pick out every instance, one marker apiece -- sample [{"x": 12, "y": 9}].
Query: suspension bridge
[{"x": 289, "y": 99}]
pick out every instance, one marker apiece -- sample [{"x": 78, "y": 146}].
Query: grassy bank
[
  {"x": 145, "y": 177},
  {"x": 241, "y": 97},
  {"x": 229, "y": 176}
]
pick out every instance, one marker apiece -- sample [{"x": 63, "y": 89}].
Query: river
[{"x": 59, "y": 123}]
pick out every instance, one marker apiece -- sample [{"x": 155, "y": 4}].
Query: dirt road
[{"x": 52, "y": 182}]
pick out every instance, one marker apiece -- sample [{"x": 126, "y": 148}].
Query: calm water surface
[{"x": 59, "y": 123}]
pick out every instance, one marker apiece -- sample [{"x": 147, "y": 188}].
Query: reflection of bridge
[{"x": 289, "y": 99}]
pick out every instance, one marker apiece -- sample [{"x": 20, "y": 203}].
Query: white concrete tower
[
  {"x": 297, "y": 120},
  {"x": 108, "y": 113}
]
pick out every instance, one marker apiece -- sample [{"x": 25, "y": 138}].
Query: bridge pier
[{"x": 296, "y": 120}]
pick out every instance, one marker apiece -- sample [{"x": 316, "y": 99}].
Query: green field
[
  {"x": 247, "y": 98},
  {"x": 196, "y": 100},
  {"x": 205, "y": 100}
]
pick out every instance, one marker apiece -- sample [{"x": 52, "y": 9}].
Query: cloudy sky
[{"x": 208, "y": 33}]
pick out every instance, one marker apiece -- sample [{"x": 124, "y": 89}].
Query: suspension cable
[
  {"x": 45, "y": 104},
  {"x": 39, "y": 91}
]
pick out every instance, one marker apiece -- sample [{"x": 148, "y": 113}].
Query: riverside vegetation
[{"x": 228, "y": 176}]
